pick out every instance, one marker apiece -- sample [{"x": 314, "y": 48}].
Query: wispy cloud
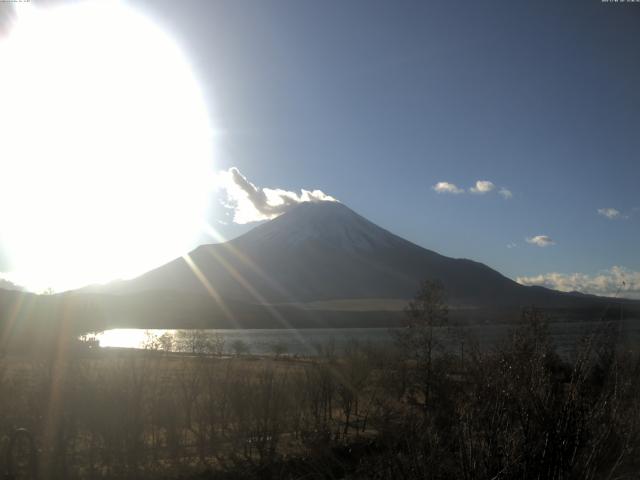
[
  {"x": 446, "y": 187},
  {"x": 482, "y": 186},
  {"x": 512, "y": 245},
  {"x": 506, "y": 193},
  {"x": 252, "y": 204},
  {"x": 606, "y": 283},
  {"x": 541, "y": 241},
  {"x": 610, "y": 213}
]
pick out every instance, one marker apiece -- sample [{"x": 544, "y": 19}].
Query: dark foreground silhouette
[{"x": 413, "y": 411}]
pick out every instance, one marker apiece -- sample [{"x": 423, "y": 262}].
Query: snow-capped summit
[{"x": 330, "y": 223}]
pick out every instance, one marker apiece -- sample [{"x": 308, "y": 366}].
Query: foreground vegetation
[{"x": 409, "y": 412}]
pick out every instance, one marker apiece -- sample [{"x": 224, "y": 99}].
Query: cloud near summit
[{"x": 253, "y": 204}]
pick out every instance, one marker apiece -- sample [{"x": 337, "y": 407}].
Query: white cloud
[
  {"x": 512, "y": 245},
  {"x": 482, "y": 186},
  {"x": 446, "y": 187},
  {"x": 610, "y": 213},
  {"x": 606, "y": 283},
  {"x": 505, "y": 192},
  {"x": 252, "y": 204},
  {"x": 541, "y": 241}
]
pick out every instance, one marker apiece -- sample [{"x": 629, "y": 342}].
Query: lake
[{"x": 307, "y": 342}]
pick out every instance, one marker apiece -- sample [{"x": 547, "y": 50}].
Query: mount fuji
[
  {"x": 317, "y": 265},
  {"x": 321, "y": 252}
]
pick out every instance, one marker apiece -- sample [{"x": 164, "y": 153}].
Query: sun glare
[{"x": 105, "y": 146}]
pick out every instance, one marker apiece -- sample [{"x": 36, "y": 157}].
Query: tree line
[{"x": 414, "y": 409}]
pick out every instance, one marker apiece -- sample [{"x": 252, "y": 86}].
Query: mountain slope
[
  {"x": 325, "y": 251},
  {"x": 318, "y": 265}
]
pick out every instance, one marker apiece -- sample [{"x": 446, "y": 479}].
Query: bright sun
[{"x": 105, "y": 147}]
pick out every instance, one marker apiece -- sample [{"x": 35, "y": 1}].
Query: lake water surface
[{"x": 308, "y": 341}]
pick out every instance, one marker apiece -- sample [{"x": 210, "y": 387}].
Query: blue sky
[{"x": 375, "y": 102}]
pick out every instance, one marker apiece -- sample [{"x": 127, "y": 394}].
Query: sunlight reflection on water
[{"x": 308, "y": 341}]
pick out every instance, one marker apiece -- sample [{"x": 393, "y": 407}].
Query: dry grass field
[{"x": 409, "y": 411}]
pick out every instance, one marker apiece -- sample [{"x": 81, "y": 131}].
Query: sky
[
  {"x": 501, "y": 131},
  {"x": 375, "y": 103}
]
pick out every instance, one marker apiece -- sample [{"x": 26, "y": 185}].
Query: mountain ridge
[
  {"x": 320, "y": 265},
  {"x": 320, "y": 251}
]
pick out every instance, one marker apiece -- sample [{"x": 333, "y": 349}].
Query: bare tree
[{"x": 417, "y": 340}]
